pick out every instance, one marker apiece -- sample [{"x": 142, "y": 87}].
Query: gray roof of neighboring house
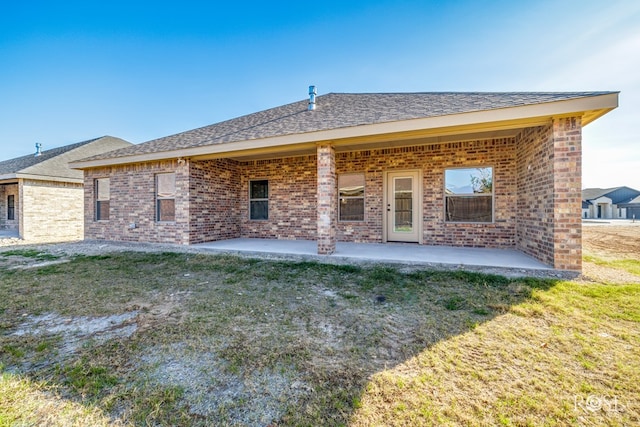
[
  {"x": 635, "y": 201},
  {"x": 617, "y": 195},
  {"x": 54, "y": 163},
  {"x": 343, "y": 110},
  {"x": 594, "y": 193}
]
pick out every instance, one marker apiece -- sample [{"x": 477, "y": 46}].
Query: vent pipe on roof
[
  {"x": 38, "y": 149},
  {"x": 312, "y": 97}
]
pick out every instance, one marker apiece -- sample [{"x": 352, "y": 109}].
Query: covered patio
[{"x": 404, "y": 253}]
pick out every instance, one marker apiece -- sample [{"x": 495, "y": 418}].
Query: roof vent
[
  {"x": 38, "y": 149},
  {"x": 312, "y": 97}
]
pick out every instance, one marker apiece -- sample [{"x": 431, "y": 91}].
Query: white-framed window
[
  {"x": 351, "y": 197},
  {"x": 259, "y": 200},
  {"x": 103, "y": 198},
  {"x": 166, "y": 197},
  {"x": 468, "y": 194}
]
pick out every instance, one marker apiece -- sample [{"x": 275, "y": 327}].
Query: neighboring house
[
  {"x": 632, "y": 208},
  {"x": 607, "y": 203},
  {"x": 491, "y": 170},
  {"x": 41, "y": 197}
]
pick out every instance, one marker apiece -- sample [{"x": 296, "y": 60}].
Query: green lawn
[{"x": 184, "y": 339}]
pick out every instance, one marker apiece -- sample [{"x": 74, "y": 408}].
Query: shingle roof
[
  {"x": 55, "y": 162},
  {"x": 342, "y": 110},
  {"x": 594, "y": 193},
  {"x": 635, "y": 201},
  {"x": 19, "y": 163},
  {"x": 616, "y": 194}
]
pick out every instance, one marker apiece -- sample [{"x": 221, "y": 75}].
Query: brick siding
[
  {"x": 536, "y": 196},
  {"x": 292, "y": 198},
  {"x": 133, "y": 202},
  {"x": 433, "y": 160},
  {"x": 50, "y": 211},
  {"x": 214, "y": 195},
  {"x": 549, "y": 225},
  {"x": 327, "y": 199}
]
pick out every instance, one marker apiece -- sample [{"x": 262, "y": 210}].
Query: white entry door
[{"x": 403, "y": 206}]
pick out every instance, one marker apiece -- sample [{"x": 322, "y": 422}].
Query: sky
[{"x": 72, "y": 71}]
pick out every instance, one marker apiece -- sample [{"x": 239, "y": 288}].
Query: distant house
[
  {"x": 41, "y": 198},
  {"x": 632, "y": 208},
  {"x": 484, "y": 170},
  {"x": 608, "y": 203}
]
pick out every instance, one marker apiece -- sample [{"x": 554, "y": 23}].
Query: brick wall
[
  {"x": 567, "y": 194},
  {"x": 214, "y": 191},
  {"x": 535, "y": 190},
  {"x": 536, "y": 196},
  {"x": 51, "y": 211},
  {"x": 5, "y": 191},
  {"x": 549, "y": 226},
  {"x": 133, "y": 201},
  {"x": 292, "y": 198},
  {"x": 432, "y": 160},
  {"x": 327, "y": 199}
]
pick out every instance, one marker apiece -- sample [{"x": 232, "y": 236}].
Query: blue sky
[{"x": 70, "y": 71}]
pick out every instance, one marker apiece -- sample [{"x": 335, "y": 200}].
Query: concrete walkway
[{"x": 384, "y": 252}]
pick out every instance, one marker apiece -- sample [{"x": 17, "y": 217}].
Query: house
[
  {"x": 41, "y": 197},
  {"x": 632, "y": 208},
  {"x": 609, "y": 203},
  {"x": 489, "y": 170}
]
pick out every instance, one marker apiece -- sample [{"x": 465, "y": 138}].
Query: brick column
[
  {"x": 567, "y": 193},
  {"x": 327, "y": 203}
]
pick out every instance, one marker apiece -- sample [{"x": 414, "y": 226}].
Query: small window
[
  {"x": 166, "y": 197},
  {"x": 469, "y": 195},
  {"x": 351, "y": 197},
  {"x": 259, "y": 200},
  {"x": 11, "y": 207},
  {"x": 103, "y": 196}
]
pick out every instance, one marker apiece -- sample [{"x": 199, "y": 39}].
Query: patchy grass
[
  {"x": 230, "y": 341},
  {"x": 630, "y": 265},
  {"x": 565, "y": 356},
  {"x": 25, "y": 402},
  {"x": 29, "y": 253}
]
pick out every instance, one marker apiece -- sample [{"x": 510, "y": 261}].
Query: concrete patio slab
[{"x": 384, "y": 252}]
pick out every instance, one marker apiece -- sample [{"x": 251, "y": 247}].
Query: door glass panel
[{"x": 403, "y": 205}]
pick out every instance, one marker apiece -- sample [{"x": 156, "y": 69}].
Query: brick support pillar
[
  {"x": 327, "y": 199},
  {"x": 567, "y": 193}
]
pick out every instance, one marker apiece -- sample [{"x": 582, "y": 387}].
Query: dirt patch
[
  {"x": 214, "y": 389},
  {"x": 165, "y": 310},
  {"x": 601, "y": 273},
  {"x": 74, "y": 332},
  {"x": 621, "y": 241}
]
